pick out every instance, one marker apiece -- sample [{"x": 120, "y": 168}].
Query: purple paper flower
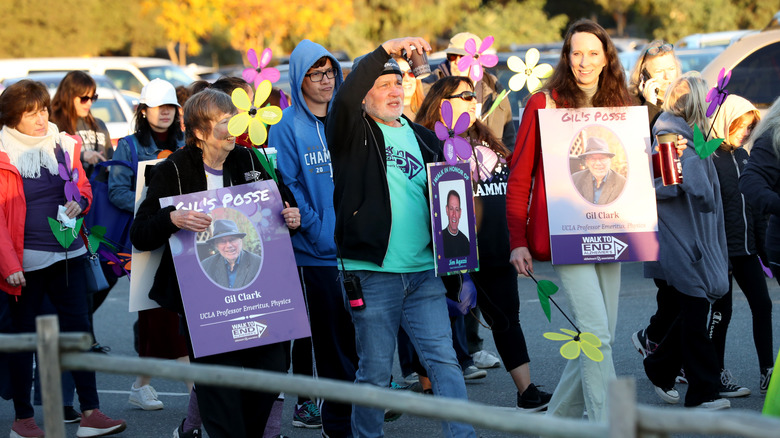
[
  {"x": 71, "y": 177},
  {"x": 717, "y": 95},
  {"x": 260, "y": 73},
  {"x": 477, "y": 59},
  {"x": 455, "y": 146}
]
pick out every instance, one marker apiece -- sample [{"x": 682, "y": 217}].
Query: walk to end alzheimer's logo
[
  {"x": 601, "y": 248},
  {"x": 245, "y": 331}
]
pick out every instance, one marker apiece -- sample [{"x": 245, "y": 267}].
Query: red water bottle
[{"x": 668, "y": 161}]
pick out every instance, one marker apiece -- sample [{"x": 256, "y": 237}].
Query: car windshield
[
  {"x": 107, "y": 109},
  {"x": 697, "y": 59},
  {"x": 171, "y": 73}
]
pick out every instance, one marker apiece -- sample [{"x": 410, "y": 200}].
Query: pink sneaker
[
  {"x": 98, "y": 424},
  {"x": 26, "y": 428}
]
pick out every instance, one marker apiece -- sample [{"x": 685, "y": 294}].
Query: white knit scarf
[{"x": 29, "y": 154}]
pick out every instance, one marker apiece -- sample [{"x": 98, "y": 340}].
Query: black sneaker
[
  {"x": 729, "y": 387},
  {"x": 533, "y": 400},
  {"x": 307, "y": 415},
  {"x": 71, "y": 415},
  {"x": 644, "y": 346},
  {"x": 766, "y": 376},
  {"x": 180, "y": 433},
  {"x": 97, "y": 348}
]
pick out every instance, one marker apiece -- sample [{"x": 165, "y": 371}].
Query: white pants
[{"x": 592, "y": 291}]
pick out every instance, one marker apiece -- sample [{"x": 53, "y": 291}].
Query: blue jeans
[{"x": 416, "y": 302}]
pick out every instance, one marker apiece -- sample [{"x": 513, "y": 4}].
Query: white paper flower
[{"x": 528, "y": 73}]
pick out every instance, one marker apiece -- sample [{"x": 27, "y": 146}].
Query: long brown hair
[
  {"x": 612, "y": 90},
  {"x": 430, "y": 111},
  {"x": 63, "y": 112}
]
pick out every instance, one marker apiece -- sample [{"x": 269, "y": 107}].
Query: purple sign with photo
[
  {"x": 453, "y": 224},
  {"x": 238, "y": 279},
  {"x": 601, "y": 202}
]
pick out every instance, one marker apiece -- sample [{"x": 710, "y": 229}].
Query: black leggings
[
  {"x": 750, "y": 278},
  {"x": 498, "y": 299}
]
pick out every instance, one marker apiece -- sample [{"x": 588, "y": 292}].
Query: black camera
[{"x": 354, "y": 291}]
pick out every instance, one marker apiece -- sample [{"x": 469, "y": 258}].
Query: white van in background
[{"x": 129, "y": 74}]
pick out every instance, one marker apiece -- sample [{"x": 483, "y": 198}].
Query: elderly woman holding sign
[
  {"x": 209, "y": 160},
  {"x": 589, "y": 74}
]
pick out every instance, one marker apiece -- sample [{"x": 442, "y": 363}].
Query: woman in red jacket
[
  {"x": 589, "y": 74},
  {"x": 36, "y": 172}
]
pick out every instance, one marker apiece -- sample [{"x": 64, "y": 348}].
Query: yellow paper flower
[
  {"x": 528, "y": 73},
  {"x": 588, "y": 343},
  {"x": 254, "y": 117}
]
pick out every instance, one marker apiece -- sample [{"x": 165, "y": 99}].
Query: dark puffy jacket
[{"x": 744, "y": 228}]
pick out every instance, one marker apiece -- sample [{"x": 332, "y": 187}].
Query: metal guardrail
[{"x": 626, "y": 418}]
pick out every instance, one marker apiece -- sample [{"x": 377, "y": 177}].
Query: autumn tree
[
  {"x": 253, "y": 24},
  {"x": 619, "y": 10},
  {"x": 678, "y": 18},
  {"x": 35, "y": 28},
  {"x": 530, "y": 23},
  {"x": 185, "y": 22}
]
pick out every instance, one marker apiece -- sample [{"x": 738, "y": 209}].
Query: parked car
[
  {"x": 699, "y": 40},
  {"x": 127, "y": 73},
  {"x": 111, "y": 107},
  {"x": 697, "y": 59},
  {"x": 754, "y": 61}
]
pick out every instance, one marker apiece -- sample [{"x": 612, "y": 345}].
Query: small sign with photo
[{"x": 453, "y": 223}]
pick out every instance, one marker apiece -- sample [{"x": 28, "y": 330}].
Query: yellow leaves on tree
[
  {"x": 256, "y": 24},
  {"x": 185, "y": 22}
]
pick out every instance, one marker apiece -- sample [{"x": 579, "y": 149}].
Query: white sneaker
[
  {"x": 720, "y": 403},
  {"x": 472, "y": 373},
  {"x": 145, "y": 398},
  {"x": 484, "y": 359},
  {"x": 668, "y": 395}
]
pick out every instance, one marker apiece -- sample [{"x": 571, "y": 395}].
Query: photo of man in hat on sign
[
  {"x": 232, "y": 267},
  {"x": 598, "y": 183}
]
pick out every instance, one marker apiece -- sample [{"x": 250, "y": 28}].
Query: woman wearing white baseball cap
[{"x": 157, "y": 134}]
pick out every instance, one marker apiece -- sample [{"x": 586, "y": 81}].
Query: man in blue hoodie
[{"x": 304, "y": 162}]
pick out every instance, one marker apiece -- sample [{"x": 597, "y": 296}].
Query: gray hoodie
[{"x": 693, "y": 257}]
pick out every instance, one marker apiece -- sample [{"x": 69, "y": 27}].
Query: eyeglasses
[
  {"x": 468, "y": 96},
  {"x": 408, "y": 73},
  {"x": 318, "y": 75},
  {"x": 452, "y": 57},
  {"x": 84, "y": 99}
]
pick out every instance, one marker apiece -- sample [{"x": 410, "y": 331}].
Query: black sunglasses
[
  {"x": 656, "y": 50},
  {"x": 84, "y": 99},
  {"x": 468, "y": 96},
  {"x": 452, "y": 57}
]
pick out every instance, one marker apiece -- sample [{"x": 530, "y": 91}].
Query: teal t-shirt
[{"x": 409, "y": 249}]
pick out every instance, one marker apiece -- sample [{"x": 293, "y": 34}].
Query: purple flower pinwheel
[
  {"x": 259, "y": 72},
  {"x": 477, "y": 59},
  {"x": 717, "y": 95},
  {"x": 455, "y": 146},
  {"x": 71, "y": 177}
]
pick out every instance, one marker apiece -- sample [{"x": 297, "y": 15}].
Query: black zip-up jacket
[
  {"x": 745, "y": 228},
  {"x": 183, "y": 173},
  {"x": 361, "y": 196}
]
